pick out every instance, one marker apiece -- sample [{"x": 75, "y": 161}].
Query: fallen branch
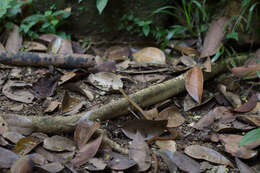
[
  {"x": 143, "y": 98},
  {"x": 44, "y": 59}
]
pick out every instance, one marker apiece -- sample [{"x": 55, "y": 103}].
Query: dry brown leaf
[
  {"x": 167, "y": 145},
  {"x": 87, "y": 152},
  {"x": 59, "y": 143},
  {"x": 118, "y": 53},
  {"x": 231, "y": 143},
  {"x": 117, "y": 161},
  {"x": 214, "y": 37},
  {"x": 243, "y": 168},
  {"x": 34, "y": 46},
  {"x": 245, "y": 71},
  {"x": 84, "y": 131},
  {"x": 201, "y": 152},
  {"x": 26, "y": 145},
  {"x": 140, "y": 152},
  {"x": 194, "y": 83},
  {"x": 173, "y": 115},
  {"x": 248, "y": 106},
  {"x": 23, "y": 165},
  {"x": 69, "y": 103},
  {"x": 54, "y": 167},
  {"x": 150, "y": 55},
  {"x": 187, "y": 50},
  {"x": 14, "y": 137},
  {"x": 3, "y": 126}
]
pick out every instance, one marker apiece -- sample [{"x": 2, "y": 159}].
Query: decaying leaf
[
  {"x": 45, "y": 86},
  {"x": 231, "y": 143},
  {"x": 95, "y": 164},
  {"x": 243, "y": 168},
  {"x": 201, "y": 152},
  {"x": 248, "y": 106},
  {"x": 118, "y": 161},
  {"x": 26, "y": 145},
  {"x": 34, "y": 46},
  {"x": 169, "y": 145},
  {"x": 194, "y": 83},
  {"x": 87, "y": 152},
  {"x": 7, "y": 158},
  {"x": 118, "y": 53},
  {"x": 190, "y": 103},
  {"x": 14, "y": 137},
  {"x": 245, "y": 71},
  {"x": 147, "y": 128},
  {"x": 23, "y": 165},
  {"x": 140, "y": 153},
  {"x": 59, "y": 143},
  {"x": 84, "y": 131},
  {"x": 17, "y": 91},
  {"x": 214, "y": 37},
  {"x": 150, "y": 55},
  {"x": 70, "y": 104},
  {"x": 54, "y": 167},
  {"x": 173, "y": 115},
  {"x": 3, "y": 126},
  {"x": 182, "y": 161}
]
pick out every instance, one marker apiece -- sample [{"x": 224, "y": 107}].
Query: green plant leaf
[
  {"x": 250, "y": 137},
  {"x": 101, "y": 4},
  {"x": 250, "y": 16},
  {"x": 232, "y": 35},
  {"x": 146, "y": 30},
  {"x": 4, "y": 5}
]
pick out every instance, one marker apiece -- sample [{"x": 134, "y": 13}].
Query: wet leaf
[
  {"x": 194, "y": 83},
  {"x": 182, "y": 161},
  {"x": 45, "y": 86},
  {"x": 140, "y": 153},
  {"x": 147, "y": 128},
  {"x": 26, "y": 145},
  {"x": 59, "y": 143},
  {"x": 3, "y": 126},
  {"x": 214, "y": 37},
  {"x": 118, "y": 161},
  {"x": 248, "y": 106},
  {"x": 14, "y": 41},
  {"x": 173, "y": 115},
  {"x": 53, "y": 167},
  {"x": 205, "y": 153},
  {"x": 84, "y": 131},
  {"x": 7, "y": 158},
  {"x": 70, "y": 104},
  {"x": 150, "y": 55},
  {"x": 23, "y": 165},
  {"x": 17, "y": 91},
  {"x": 169, "y": 145},
  {"x": 231, "y": 143},
  {"x": 106, "y": 81},
  {"x": 87, "y": 152},
  {"x": 243, "y": 168}
]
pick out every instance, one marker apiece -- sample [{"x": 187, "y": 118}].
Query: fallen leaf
[
  {"x": 194, "y": 83},
  {"x": 59, "y": 143},
  {"x": 17, "y": 91},
  {"x": 231, "y": 143},
  {"x": 182, "y": 161},
  {"x": 187, "y": 50},
  {"x": 169, "y": 145},
  {"x": 140, "y": 153},
  {"x": 23, "y": 165},
  {"x": 205, "y": 153},
  {"x": 190, "y": 103},
  {"x": 45, "y": 86},
  {"x": 14, "y": 41},
  {"x": 150, "y": 78},
  {"x": 248, "y": 106},
  {"x": 87, "y": 152},
  {"x": 50, "y": 106},
  {"x": 7, "y": 158},
  {"x": 66, "y": 77},
  {"x": 108, "y": 66},
  {"x": 118, "y": 53},
  {"x": 245, "y": 71},
  {"x": 84, "y": 131},
  {"x": 66, "y": 47},
  {"x": 53, "y": 167},
  {"x": 95, "y": 164},
  {"x": 147, "y": 128},
  {"x": 26, "y": 145},
  {"x": 243, "y": 168},
  {"x": 214, "y": 37},
  {"x": 232, "y": 98},
  {"x": 117, "y": 161},
  {"x": 152, "y": 113},
  {"x": 252, "y": 119},
  {"x": 70, "y": 104},
  {"x": 14, "y": 137},
  {"x": 173, "y": 115},
  {"x": 167, "y": 157},
  {"x": 30, "y": 46},
  {"x": 187, "y": 61},
  {"x": 150, "y": 55},
  {"x": 47, "y": 37},
  {"x": 106, "y": 81}
]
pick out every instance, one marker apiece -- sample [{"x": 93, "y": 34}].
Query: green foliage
[
  {"x": 250, "y": 137},
  {"x": 101, "y": 4},
  {"x": 135, "y": 25},
  {"x": 44, "y": 23},
  {"x": 10, "y": 8}
]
